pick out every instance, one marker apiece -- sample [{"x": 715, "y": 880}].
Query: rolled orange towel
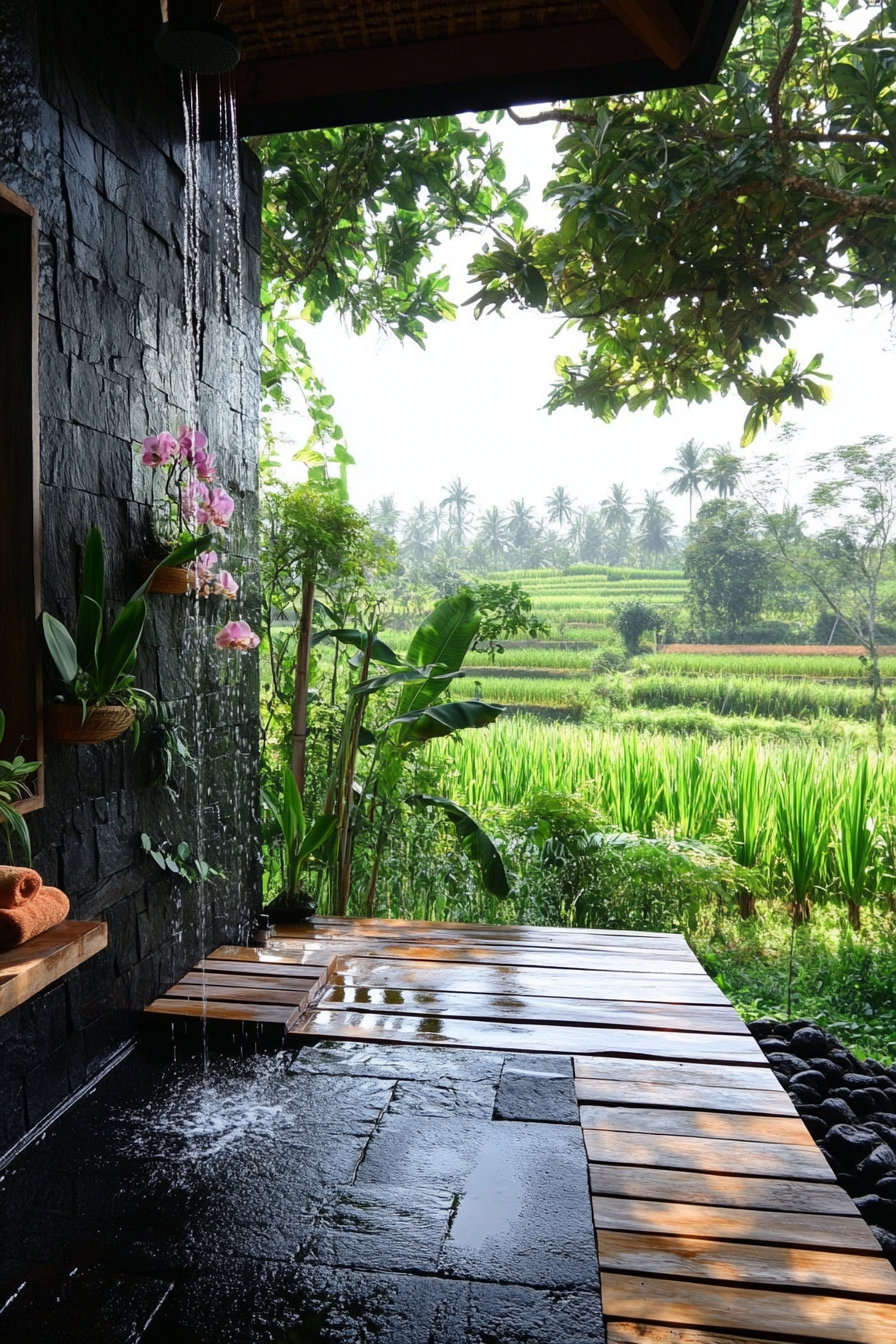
[
  {"x": 41, "y": 912},
  {"x": 18, "y": 885}
]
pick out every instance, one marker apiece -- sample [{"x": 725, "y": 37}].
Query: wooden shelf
[{"x": 27, "y": 969}]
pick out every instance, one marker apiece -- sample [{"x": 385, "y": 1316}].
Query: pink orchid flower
[
  {"x": 203, "y": 569},
  {"x": 217, "y": 507},
  {"x": 193, "y": 498},
  {"x": 204, "y": 465},
  {"x": 237, "y": 635},
  {"x": 189, "y": 440},
  {"x": 226, "y": 585},
  {"x": 159, "y": 449}
]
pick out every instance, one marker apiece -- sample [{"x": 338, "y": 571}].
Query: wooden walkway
[{"x": 716, "y": 1216}]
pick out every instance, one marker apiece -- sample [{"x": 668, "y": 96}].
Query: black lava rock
[
  {"x": 770, "y": 1043},
  {"x": 880, "y": 1212},
  {"x": 811, "y": 1078},
  {"x": 798, "y": 1022},
  {"x": 841, "y": 1092},
  {"x": 886, "y": 1187},
  {"x": 783, "y": 1062},
  {"x": 837, "y": 1111},
  {"x": 852, "y": 1079},
  {"x": 847, "y": 1061},
  {"x": 866, "y": 1100},
  {"x": 800, "y": 1093},
  {"x": 850, "y": 1143},
  {"x": 817, "y": 1127},
  {"x": 882, "y": 1162},
  {"x": 808, "y": 1041},
  {"x": 832, "y": 1072},
  {"x": 887, "y": 1241},
  {"x": 768, "y": 1026}
]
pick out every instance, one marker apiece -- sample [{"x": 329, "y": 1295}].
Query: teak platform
[
  {"x": 717, "y": 1218},
  {"x": 31, "y": 967}
]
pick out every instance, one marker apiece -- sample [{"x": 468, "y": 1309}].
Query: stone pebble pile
[{"x": 849, "y": 1108}]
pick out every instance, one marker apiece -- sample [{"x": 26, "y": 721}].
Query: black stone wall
[{"x": 91, "y": 132}]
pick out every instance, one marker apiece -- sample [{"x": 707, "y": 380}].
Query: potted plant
[
  {"x": 300, "y": 844},
  {"x": 188, "y": 499},
  {"x": 98, "y": 700},
  {"x": 14, "y": 775}
]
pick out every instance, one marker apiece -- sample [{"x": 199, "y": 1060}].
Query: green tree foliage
[
  {"x": 726, "y": 565},
  {"x": 696, "y": 225},
  {"x": 634, "y": 619},
  {"x": 350, "y": 220}
]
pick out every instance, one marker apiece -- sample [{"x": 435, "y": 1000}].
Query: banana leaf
[
  {"x": 440, "y": 720},
  {"x": 476, "y": 844}
]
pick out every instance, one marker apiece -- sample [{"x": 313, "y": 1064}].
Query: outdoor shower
[{"x": 192, "y": 39}]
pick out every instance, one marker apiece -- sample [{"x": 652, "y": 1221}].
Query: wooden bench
[{"x": 31, "y": 967}]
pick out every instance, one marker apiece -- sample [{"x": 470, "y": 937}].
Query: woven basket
[
  {"x": 173, "y": 579},
  {"x": 62, "y": 723}
]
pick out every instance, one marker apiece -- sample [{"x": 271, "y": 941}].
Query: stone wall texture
[{"x": 91, "y": 133}]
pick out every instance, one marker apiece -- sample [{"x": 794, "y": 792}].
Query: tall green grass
[
  {"x": 760, "y": 665},
  {"x": 763, "y": 696}
]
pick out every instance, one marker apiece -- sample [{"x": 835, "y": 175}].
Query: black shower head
[{"x": 199, "y": 46}]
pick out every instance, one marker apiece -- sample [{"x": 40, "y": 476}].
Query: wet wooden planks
[
  {"x": 247, "y": 984},
  {"x": 713, "y": 1215}
]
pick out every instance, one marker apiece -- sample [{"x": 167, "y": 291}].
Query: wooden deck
[{"x": 716, "y": 1216}]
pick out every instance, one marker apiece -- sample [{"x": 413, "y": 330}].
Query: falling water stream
[{"x": 217, "y": 296}]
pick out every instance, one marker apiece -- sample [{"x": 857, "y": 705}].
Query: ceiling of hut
[{"x": 330, "y": 62}]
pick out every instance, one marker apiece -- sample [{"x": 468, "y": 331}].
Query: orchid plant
[
  {"x": 189, "y": 500},
  {"x": 14, "y": 775}
]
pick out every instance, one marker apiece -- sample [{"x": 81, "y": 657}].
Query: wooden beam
[{"x": 657, "y": 25}]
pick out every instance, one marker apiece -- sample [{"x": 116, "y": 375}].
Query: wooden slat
[
  {"x": 722, "y": 1156},
  {"x": 294, "y": 998},
  {"x": 329, "y": 1025},
  {"x": 26, "y": 970},
  {"x": 274, "y": 956},
  {"x": 755, "y": 1225},
  {"x": 803, "y": 1316},
  {"x": 639, "y": 962},
  {"x": 340, "y": 925},
  {"x": 523, "y": 1008},
  {"x": 745, "y": 1263},
  {"x": 742, "y": 1192},
  {"x": 511, "y": 980},
  {"x": 231, "y": 1012},
  {"x": 648, "y": 1072},
  {"x": 301, "y": 984},
  {"x": 735, "y": 1099},
  {"x": 486, "y": 936},
  {"x": 698, "y": 1124},
  {"x": 637, "y": 1332}
]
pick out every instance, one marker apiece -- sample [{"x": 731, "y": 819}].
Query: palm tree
[
  {"x": 458, "y": 499},
  {"x": 690, "y": 464},
  {"x": 724, "y": 472},
  {"x": 592, "y": 546},
  {"x": 417, "y": 537},
  {"x": 493, "y": 532},
  {"x": 616, "y": 511},
  {"x": 521, "y": 527},
  {"x": 561, "y": 506},
  {"x": 384, "y": 515},
  {"x": 654, "y": 524}
]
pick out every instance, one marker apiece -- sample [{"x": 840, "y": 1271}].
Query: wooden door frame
[{"x": 21, "y": 689}]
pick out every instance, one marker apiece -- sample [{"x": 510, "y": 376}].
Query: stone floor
[{"x": 346, "y": 1194}]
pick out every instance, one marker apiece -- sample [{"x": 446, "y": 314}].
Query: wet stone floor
[{"x": 347, "y": 1194}]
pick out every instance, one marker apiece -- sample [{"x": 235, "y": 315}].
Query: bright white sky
[{"x": 470, "y": 404}]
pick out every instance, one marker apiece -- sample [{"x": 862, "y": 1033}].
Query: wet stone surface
[{"x": 347, "y": 1194}]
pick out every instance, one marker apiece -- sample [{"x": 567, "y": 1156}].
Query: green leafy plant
[
  {"x": 302, "y": 842},
  {"x": 94, "y": 669},
  {"x": 179, "y": 859},
  {"x": 14, "y": 776}
]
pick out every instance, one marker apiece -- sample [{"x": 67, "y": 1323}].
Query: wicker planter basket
[
  {"x": 62, "y": 723},
  {"x": 173, "y": 579}
]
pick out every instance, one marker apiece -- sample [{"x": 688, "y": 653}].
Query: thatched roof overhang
[{"x": 310, "y": 63}]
